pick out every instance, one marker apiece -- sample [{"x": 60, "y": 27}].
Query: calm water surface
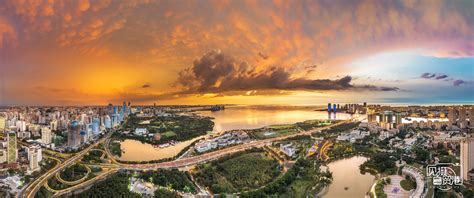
[
  {"x": 134, "y": 150},
  {"x": 346, "y": 173},
  {"x": 249, "y": 117},
  {"x": 238, "y": 117}
]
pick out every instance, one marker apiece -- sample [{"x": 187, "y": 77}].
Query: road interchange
[{"x": 33, "y": 187}]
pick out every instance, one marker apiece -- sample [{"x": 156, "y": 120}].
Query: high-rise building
[
  {"x": 12, "y": 150},
  {"x": 53, "y": 125},
  {"x": 46, "y": 135},
  {"x": 107, "y": 122},
  {"x": 462, "y": 123},
  {"x": 74, "y": 134},
  {"x": 451, "y": 116},
  {"x": 37, "y": 150},
  {"x": 398, "y": 118},
  {"x": 467, "y": 159},
  {"x": 329, "y": 106},
  {"x": 95, "y": 126}
]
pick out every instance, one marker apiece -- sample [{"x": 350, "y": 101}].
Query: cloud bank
[{"x": 217, "y": 72}]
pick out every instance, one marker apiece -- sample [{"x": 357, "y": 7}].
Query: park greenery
[
  {"x": 115, "y": 148},
  {"x": 171, "y": 178},
  {"x": 175, "y": 127},
  {"x": 379, "y": 189},
  {"x": 94, "y": 156},
  {"x": 74, "y": 172},
  {"x": 303, "y": 179},
  {"x": 379, "y": 163},
  {"x": 238, "y": 172},
  {"x": 408, "y": 183},
  {"x": 42, "y": 193},
  {"x": 278, "y": 130},
  {"x": 341, "y": 128},
  {"x": 114, "y": 186},
  {"x": 162, "y": 193},
  {"x": 117, "y": 185}
]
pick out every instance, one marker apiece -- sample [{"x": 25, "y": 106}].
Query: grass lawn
[
  {"x": 299, "y": 188},
  {"x": 276, "y": 133},
  {"x": 281, "y": 126},
  {"x": 168, "y": 134},
  {"x": 408, "y": 184}
]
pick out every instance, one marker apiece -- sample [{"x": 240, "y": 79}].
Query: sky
[{"x": 95, "y": 52}]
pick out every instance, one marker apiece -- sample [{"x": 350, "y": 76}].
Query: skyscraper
[
  {"x": 462, "y": 123},
  {"x": 107, "y": 122},
  {"x": 12, "y": 150},
  {"x": 46, "y": 135},
  {"x": 329, "y": 106},
  {"x": 34, "y": 157},
  {"x": 451, "y": 116},
  {"x": 74, "y": 136},
  {"x": 467, "y": 158},
  {"x": 95, "y": 126}
]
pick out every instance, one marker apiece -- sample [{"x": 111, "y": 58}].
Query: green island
[
  {"x": 169, "y": 128},
  {"x": 238, "y": 172}
]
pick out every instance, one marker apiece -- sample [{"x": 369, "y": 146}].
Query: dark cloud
[
  {"x": 147, "y": 85},
  {"x": 216, "y": 72},
  {"x": 458, "y": 82},
  {"x": 443, "y": 76},
  {"x": 310, "y": 69},
  {"x": 427, "y": 75},
  {"x": 263, "y": 55}
]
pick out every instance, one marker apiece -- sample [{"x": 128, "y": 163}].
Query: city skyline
[{"x": 236, "y": 52}]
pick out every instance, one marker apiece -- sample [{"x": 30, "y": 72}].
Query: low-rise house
[
  {"x": 289, "y": 149},
  {"x": 141, "y": 131}
]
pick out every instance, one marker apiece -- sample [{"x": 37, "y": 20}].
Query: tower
[
  {"x": 462, "y": 118},
  {"x": 12, "y": 151},
  {"x": 451, "y": 116},
  {"x": 74, "y": 136},
  {"x": 46, "y": 135}
]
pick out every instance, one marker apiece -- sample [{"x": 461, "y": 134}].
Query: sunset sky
[{"x": 80, "y": 52}]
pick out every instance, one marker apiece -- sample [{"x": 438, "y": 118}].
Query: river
[
  {"x": 234, "y": 117},
  {"x": 346, "y": 173}
]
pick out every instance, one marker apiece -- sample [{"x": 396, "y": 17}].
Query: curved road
[
  {"x": 31, "y": 190},
  {"x": 216, "y": 154},
  {"x": 33, "y": 187}
]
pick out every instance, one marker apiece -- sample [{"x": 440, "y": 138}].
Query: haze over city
[{"x": 236, "y": 52}]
